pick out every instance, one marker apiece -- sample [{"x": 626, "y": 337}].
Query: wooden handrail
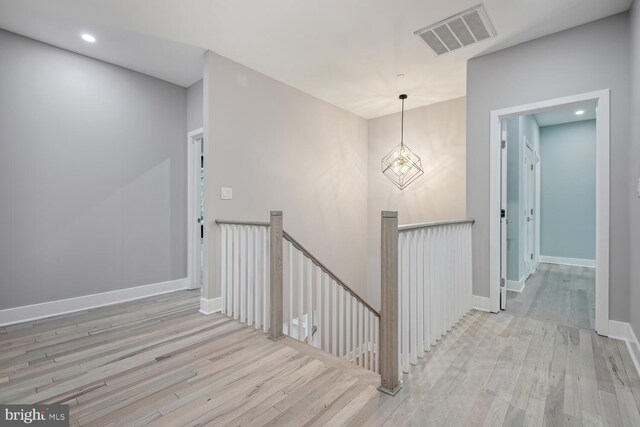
[
  {"x": 407, "y": 227},
  {"x": 315, "y": 260},
  {"x": 252, "y": 223}
]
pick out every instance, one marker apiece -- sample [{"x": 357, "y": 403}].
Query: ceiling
[
  {"x": 347, "y": 53},
  {"x": 567, "y": 114}
]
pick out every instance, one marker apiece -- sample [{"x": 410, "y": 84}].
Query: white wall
[
  {"x": 281, "y": 149},
  {"x": 194, "y": 106},
  {"x": 92, "y": 176},
  {"x": 591, "y": 57},
  {"x": 437, "y": 134}
]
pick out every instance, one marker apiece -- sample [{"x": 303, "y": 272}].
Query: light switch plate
[{"x": 226, "y": 193}]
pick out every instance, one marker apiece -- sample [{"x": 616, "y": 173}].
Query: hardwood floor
[
  {"x": 158, "y": 361},
  {"x": 559, "y": 293}
]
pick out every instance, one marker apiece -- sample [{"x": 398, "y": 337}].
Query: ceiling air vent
[{"x": 463, "y": 29}]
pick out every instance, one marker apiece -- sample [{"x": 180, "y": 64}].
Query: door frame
[
  {"x": 192, "y": 224},
  {"x": 602, "y": 195},
  {"x": 534, "y": 238}
]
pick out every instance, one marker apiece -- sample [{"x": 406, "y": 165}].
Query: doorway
[
  {"x": 529, "y": 214},
  {"x": 197, "y": 240}
]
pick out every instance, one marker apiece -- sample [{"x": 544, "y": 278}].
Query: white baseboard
[
  {"x": 578, "y": 262},
  {"x": 210, "y": 306},
  {"x": 516, "y": 286},
  {"x": 481, "y": 303},
  {"x": 623, "y": 331},
  {"x": 32, "y": 312}
]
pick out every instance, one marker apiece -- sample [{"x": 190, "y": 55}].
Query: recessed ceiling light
[
  {"x": 579, "y": 112},
  {"x": 88, "y": 38}
]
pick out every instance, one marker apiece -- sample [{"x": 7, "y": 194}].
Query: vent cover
[{"x": 463, "y": 29}]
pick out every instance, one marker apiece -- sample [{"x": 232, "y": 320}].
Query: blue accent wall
[{"x": 568, "y": 190}]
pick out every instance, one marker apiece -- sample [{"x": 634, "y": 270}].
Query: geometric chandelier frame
[{"x": 401, "y": 165}]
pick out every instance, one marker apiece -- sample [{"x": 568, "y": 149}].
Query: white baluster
[
  {"x": 300, "y": 289},
  {"x": 256, "y": 277},
  {"x": 236, "y": 272},
  {"x": 413, "y": 288},
  {"x": 334, "y": 318},
  {"x": 266, "y": 292},
  {"x": 420, "y": 310},
  {"x": 371, "y": 344},
  {"x": 347, "y": 326},
  {"x": 365, "y": 341},
  {"x": 321, "y": 332},
  {"x": 309, "y": 291},
  {"x": 404, "y": 280},
  {"x": 432, "y": 291},
  {"x": 327, "y": 303},
  {"x": 250, "y": 277},
  {"x": 320, "y": 306},
  {"x": 340, "y": 321},
  {"x": 439, "y": 259},
  {"x": 223, "y": 267},
  {"x": 354, "y": 330},
  {"x": 243, "y": 274},
  {"x": 362, "y": 339},
  {"x": 290, "y": 308},
  {"x": 376, "y": 345}
]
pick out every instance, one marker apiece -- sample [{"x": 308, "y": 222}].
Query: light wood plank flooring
[
  {"x": 559, "y": 293},
  {"x": 158, "y": 361}
]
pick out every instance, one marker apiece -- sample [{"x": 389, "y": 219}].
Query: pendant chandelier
[{"x": 402, "y": 166}]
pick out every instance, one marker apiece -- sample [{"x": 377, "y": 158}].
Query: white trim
[
  {"x": 210, "y": 306},
  {"x": 192, "y": 243},
  {"x": 623, "y": 331},
  {"x": 32, "y": 312},
  {"x": 481, "y": 303},
  {"x": 516, "y": 285},
  {"x": 602, "y": 196},
  {"x": 578, "y": 262}
]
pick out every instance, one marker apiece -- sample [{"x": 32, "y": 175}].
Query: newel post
[
  {"x": 275, "y": 270},
  {"x": 389, "y": 384}
]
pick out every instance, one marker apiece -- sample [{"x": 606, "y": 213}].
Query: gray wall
[
  {"x": 583, "y": 59},
  {"x": 634, "y": 169},
  {"x": 437, "y": 134},
  {"x": 288, "y": 151},
  {"x": 194, "y": 106},
  {"x": 568, "y": 190},
  {"x": 92, "y": 176}
]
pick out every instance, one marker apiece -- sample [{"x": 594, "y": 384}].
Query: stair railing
[
  {"x": 426, "y": 289},
  {"x": 296, "y": 296}
]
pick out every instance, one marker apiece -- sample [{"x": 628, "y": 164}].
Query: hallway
[{"x": 558, "y": 293}]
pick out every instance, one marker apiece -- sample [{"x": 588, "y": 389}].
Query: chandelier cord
[{"x": 402, "y": 125}]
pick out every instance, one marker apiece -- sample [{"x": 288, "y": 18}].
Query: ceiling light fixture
[
  {"x": 579, "y": 112},
  {"x": 402, "y": 166},
  {"x": 88, "y": 38}
]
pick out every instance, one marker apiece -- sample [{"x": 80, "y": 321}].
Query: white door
[
  {"x": 503, "y": 217},
  {"x": 530, "y": 215},
  {"x": 196, "y": 220},
  {"x": 200, "y": 211}
]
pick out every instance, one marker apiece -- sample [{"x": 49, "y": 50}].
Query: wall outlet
[{"x": 226, "y": 193}]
